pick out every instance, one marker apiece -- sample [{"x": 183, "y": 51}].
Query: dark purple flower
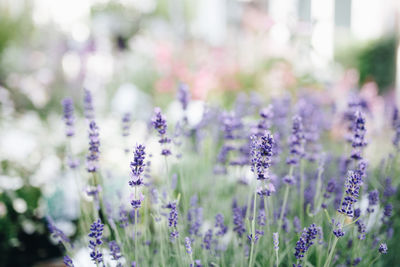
[
  {"x": 356, "y": 261},
  {"x": 68, "y": 106},
  {"x": 261, "y": 153},
  {"x": 338, "y": 230},
  {"x": 114, "y": 250},
  {"x": 396, "y": 127},
  {"x": 359, "y": 130},
  {"x": 94, "y": 145},
  {"x": 238, "y": 219},
  {"x": 362, "y": 229},
  {"x": 68, "y": 261},
  {"x": 352, "y": 186},
  {"x": 173, "y": 220},
  {"x": 296, "y": 142},
  {"x": 137, "y": 166},
  {"x": 160, "y": 125},
  {"x": 96, "y": 234},
  {"x": 383, "y": 248},
  {"x": 123, "y": 217},
  {"x": 305, "y": 241},
  {"x": 219, "y": 224}
]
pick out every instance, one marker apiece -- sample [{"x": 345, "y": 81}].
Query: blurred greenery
[{"x": 375, "y": 60}]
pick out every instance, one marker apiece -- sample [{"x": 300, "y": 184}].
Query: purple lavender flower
[
  {"x": 96, "y": 234},
  {"x": 197, "y": 263},
  {"x": 173, "y": 220},
  {"x": 396, "y": 127},
  {"x": 389, "y": 190},
  {"x": 265, "y": 122},
  {"x": 183, "y": 95},
  {"x": 275, "y": 237},
  {"x": 296, "y": 224},
  {"x": 338, "y": 231},
  {"x": 123, "y": 217},
  {"x": 137, "y": 166},
  {"x": 88, "y": 105},
  {"x": 188, "y": 245},
  {"x": 68, "y": 106},
  {"x": 352, "y": 185},
  {"x": 94, "y": 145},
  {"x": 56, "y": 233},
  {"x": 358, "y": 135},
  {"x": 356, "y": 261},
  {"x": 383, "y": 248},
  {"x": 387, "y": 211},
  {"x": 261, "y": 152},
  {"x": 373, "y": 199},
  {"x": 114, "y": 250},
  {"x": 238, "y": 219},
  {"x": 68, "y": 261},
  {"x": 219, "y": 224},
  {"x": 362, "y": 229},
  {"x": 207, "y": 240},
  {"x": 305, "y": 241},
  {"x": 126, "y": 120},
  {"x": 194, "y": 217},
  {"x": 330, "y": 188},
  {"x": 160, "y": 125},
  {"x": 296, "y": 142}
]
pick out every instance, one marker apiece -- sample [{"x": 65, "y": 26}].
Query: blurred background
[{"x": 133, "y": 53}]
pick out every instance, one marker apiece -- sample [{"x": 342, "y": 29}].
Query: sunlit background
[{"x": 133, "y": 53}]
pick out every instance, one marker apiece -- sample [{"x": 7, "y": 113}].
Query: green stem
[
  {"x": 285, "y": 198},
  {"x": 277, "y": 257},
  {"x": 328, "y": 260},
  {"x": 302, "y": 186},
  {"x": 253, "y": 230}
]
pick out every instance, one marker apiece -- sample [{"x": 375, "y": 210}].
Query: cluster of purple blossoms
[
  {"x": 220, "y": 225},
  {"x": 96, "y": 234},
  {"x": 137, "y": 166},
  {"x": 373, "y": 199},
  {"x": 188, "y": 245},
  {"x": 330, "y": 188},
  {"x": 173, "y": 220},
  {"x": 358, "y": 141},
  {"x": 296, "y": 142},
  {"x": 207, "y": 240},
  {"x": 239, "y": 213},
  {"x": 126, "y": 124},
  {"x": 261, "y": 153},
  {"x": 114, "y": 250},
  {"x": 68, "y": 261},
  {"x": 194, "y": 217},
  {"x": 160, "y": 125},
  {"x": 305, "y": 241},
  {"x": 352, "y": 185},
  {"x": 338, "y": 230},
  {"x": 230, "y": 124},
  {"x": 94, "y": 145},
  {"x": 88, "y": 105},
  {"x": 68, "y": 107},
  {"x": 387, "y": 212},
  {"x": 383, "y": 248}
]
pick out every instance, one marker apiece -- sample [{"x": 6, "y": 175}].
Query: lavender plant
[{"x": 299, "y": 182}]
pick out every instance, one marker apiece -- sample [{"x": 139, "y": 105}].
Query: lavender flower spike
[
  {"x": 68, "y": 107},
  {"x": 94, "y": 144},
  {"x": 68, "y": 261},
  {"x": 88, "y": 105},
  {"x": 296, "y": 142},
  {"x": 137, "y": 166},
  {"x": 160, "y": 125},
  {"x": 352, "y": 185},
  {"x": 383, "y": 248},
  {"x": 305, "y": 241},
  {"x": 183, "y": 95},
  {"x": 188, "y": 245},
  {"x": 96, "y": 234},
  {"x": 275, "y": 237}
]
